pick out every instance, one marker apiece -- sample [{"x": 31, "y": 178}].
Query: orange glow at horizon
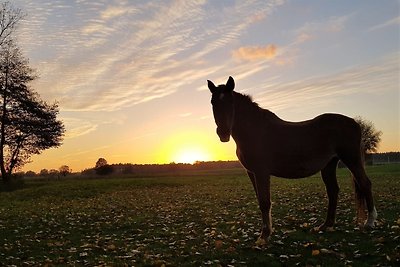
[
  {"x": 191, "y": 155},
  {"x": 189, "y": 147}
]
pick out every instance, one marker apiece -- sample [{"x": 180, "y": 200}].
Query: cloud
[
  {"x": 95, "y": 27},
  {"x": 105, "y": 56},
  {"x": 303, "y": 37},
  {"x": 187, "y": 114},
  {"x": 391, "y": 22},
  {"x": 317, "y": 29},
  {"x": 82, "y": 123},
  {"x": 256, "y": 52},
  {"x": 375, "y": 78},
  {"x": 337, "y": 24},
  {"x": 113, "y": 12},
  {"x": 78, "y": 127}
]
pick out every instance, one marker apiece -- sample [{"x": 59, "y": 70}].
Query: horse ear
[
  {"x": 230, "y": 84},
  {"x": 211, "y": 86}
]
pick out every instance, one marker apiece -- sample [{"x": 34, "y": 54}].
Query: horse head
[{"x": 222, "y": 105}]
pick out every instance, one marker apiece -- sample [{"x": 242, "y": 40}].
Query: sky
[{"x": 130, "y": 76}]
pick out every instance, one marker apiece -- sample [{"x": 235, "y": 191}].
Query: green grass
[{"x": 204, "y": 219}]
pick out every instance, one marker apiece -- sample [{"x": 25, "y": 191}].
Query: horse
[{"x": 267, "y": 145}]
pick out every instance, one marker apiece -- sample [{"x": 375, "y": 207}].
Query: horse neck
[{"x": 248, "y": 117}]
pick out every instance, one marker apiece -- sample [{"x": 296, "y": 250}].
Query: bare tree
[{"x": 9, "y": 18}]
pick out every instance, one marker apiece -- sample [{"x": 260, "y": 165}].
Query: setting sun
[
  {"x": 191, "y": 155},
  {"x": 191, "y": 146}
]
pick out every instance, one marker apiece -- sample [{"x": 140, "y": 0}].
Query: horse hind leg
[
  {"x": 263, "y": 185},
  {"x": 363, "y": 193},
  {"x": 361, "y": 204},
  {"x": 364, "y": 199},
  {"x": 332, "y": 189}
]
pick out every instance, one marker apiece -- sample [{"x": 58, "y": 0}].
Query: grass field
[{"x": 209, "y": 219}]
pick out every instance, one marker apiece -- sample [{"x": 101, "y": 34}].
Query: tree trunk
[{"x": 6, "y": 178}]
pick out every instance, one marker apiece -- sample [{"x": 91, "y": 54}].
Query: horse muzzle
[{"x": 224, "y": 136}]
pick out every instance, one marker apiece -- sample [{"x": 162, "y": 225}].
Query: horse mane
[{"x": 246, "y": 104}]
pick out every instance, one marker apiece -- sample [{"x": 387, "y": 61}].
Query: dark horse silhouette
[{"x": 268, "y": 145}]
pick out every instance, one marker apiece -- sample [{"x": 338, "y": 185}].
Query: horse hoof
[
  {"x": 369, "y": 226},
  {"x": 370, "y": 222},
  {"x": 261, "y": 242}
]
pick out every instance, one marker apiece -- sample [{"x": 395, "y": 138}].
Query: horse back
[
  {"x": 300, "y": 149},
  {"x": 324, "y": 128}
]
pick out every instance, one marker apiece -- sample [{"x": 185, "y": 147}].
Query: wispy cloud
[
  {"x": 256, "y": 52},
  {"x": 319, "y": 29},
  {"x": 88, "y": 122},
  {"x": 124, "y": 53},
  {"x": 320, "y": 91},
  {"x": 390, "y": 22},
  {"x": 187, "y": 114},
  {"x": 78, "y": 127},
  {"x": 115, "y": 11},
  {"x": 311, "y": 31}
]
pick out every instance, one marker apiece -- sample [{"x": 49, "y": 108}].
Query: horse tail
[
  {"x": 361, "y": 204},
  {"x": 362, "y": 152}
]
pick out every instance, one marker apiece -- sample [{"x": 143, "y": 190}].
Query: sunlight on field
[{"x": 197, "y": 219}]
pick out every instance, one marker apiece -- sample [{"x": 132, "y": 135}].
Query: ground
[{"x": 198, "y": 219}]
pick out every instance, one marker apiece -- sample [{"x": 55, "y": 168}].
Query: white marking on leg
[
  {"x": 370, "y": 222},
  {"x": 269, "y": 224}
]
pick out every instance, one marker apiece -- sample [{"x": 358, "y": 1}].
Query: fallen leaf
[
  {"x": 218, "y": 244},
  {"x": 261, "y": 242},
  {"x": 284, "y": 257},
  {"x": 111, "y": 247},
  {"x": 315, "y": 252},
  {"x": 231, "y": 249},
  {"x": 306, "y": 245},
  {"x": 325, "y": 251}
]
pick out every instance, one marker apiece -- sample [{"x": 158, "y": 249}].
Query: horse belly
[
  {"x": 299, "y": 168},
  {"x": 282, "y": 166}
]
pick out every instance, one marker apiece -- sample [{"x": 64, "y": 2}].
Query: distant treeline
[
  {"x": 383, "y": 158},
  {"x": 178, "y": 168},
  {"x": 151, "y": 169}
]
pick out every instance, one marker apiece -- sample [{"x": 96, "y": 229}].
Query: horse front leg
[
  {"x": 263, "y": 184},
  {"x": 332, "y": 189}
]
